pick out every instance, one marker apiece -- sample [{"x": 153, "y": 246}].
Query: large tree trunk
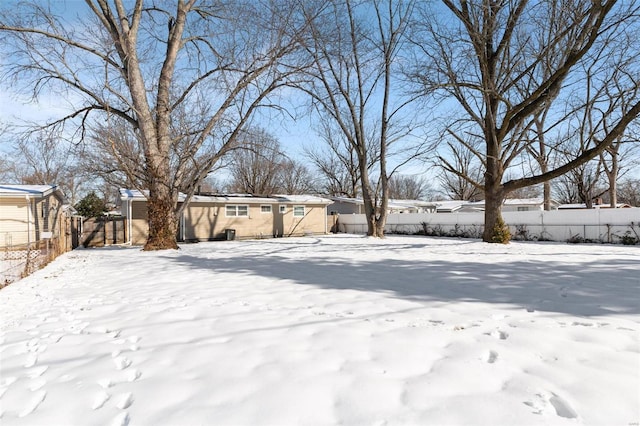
[
  {"x": 161, "y": 209},
  {"x": 494, "y": 198},
  {"x": 613, "y": 187},
  {"x": 369, "y": 205},
  {"x": 494, "y": 194},
  {"x": 546, "y": 190},
  {"x": 381, "y": 216},
  {"x": 163, "y": 224}
]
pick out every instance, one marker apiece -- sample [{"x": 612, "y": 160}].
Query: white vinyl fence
[{"x": 594, "y": 225}]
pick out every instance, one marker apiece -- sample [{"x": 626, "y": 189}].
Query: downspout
[
  {"x": 28, "y": 221},
  {"x": 129, "y": 224},
  {"x": 326, "y": 219},
  {"x": 182, "y": 226}
]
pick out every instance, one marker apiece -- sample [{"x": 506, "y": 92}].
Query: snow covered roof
[
  {"x": 393, "y": 204},
  {"x": 128, "y": 194},
  {"x": 515, "y": 202},
  {"x": 31, "y": 190},
  {"x": 450, "y": 206},
  {"x": 595, "y": 206},
  {"x": 414, "y": 203}
]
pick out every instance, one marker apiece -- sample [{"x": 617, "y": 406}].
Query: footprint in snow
[
  {"x": 499, "y": 334},
  {"x": 584, "y": 324},
  {"x": 121, "y": 419},
  {"x": 37, "y": 371},
  {"x": 538, "y": 404},
  {"x": 122, "y": 362},
  {"x": 491, "y": 357},
  {"x": 100, "y": 400},
  {"x": 32, "y": 360},
  {"x": 33, "y": 403},
  {"x": 124, "y": 401},
  {"x": 133, "y": 375},
  {"x": 37, "y": 384},
  {"x": 562, "y": 407}
]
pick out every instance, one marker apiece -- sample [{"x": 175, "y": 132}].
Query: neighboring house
[
  {"x": 513, "y": 205},
  {"x": 29, "y": 213},
  {"x": 344, "y": 205},
  {"x": 453, "y": 206},
  {"x": 595, "y": 206},
  {"x": 412, "y": 206},
  {"x": 208, "y": 218}
]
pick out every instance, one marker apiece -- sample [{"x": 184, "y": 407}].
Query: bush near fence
[{"x": 595, "y": 225}]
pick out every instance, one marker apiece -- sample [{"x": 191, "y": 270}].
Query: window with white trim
[
  {"x": 283, "y": 209},
  {"x": 265, "y": 208},
  {"x": 298, "y": 211},
  {"x": 523, "y": 209},
  {"x": 236, "y": 211}
]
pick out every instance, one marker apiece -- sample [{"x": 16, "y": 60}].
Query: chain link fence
[{"x": 20, "y": 260}]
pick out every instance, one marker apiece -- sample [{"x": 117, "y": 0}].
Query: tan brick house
[{"x": 209, "y": 217}]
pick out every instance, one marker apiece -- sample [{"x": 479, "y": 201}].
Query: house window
[
  {"x": 45, "y": 207},
  {"x": 298, "y": 211},
  {"x": 283, "y": 209},
  {"x": 523, "y": 209},
  {"x": 265, "y": 208},
  {"x": 232, "y": 210}
]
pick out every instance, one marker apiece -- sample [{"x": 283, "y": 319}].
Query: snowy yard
[{"x": 324, "y": 331}]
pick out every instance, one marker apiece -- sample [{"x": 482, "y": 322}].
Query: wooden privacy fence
[{"x": 103, "y": 231}]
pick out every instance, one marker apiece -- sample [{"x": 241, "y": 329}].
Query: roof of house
[
  {"x": 392, "y": 204},
  {"x": 129, "y": 194},
  {"x": 595, "y": 206},
  {"x": 38, "y": 191},
  {"x": 450, "y": 205},
  {"x": 515, "y": 202},
  {"x": 415, "y": 203}
]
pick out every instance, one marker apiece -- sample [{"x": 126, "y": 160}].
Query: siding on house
[
  {"x": 139, "y": 226},
  {"x": 26, "y": 211}
]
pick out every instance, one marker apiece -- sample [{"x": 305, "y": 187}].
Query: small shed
[
  {"x": 29, "y": 213},
  {"x": 209, "y": 217}
]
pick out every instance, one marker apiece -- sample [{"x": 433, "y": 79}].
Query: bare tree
[
  {"x": 260, "y": 166},
  {"x": 584, "y": 184},
  {"x": 337, "y": 162},
  {"x": 629, "y": 192},
  {"x": 460, "y": 176},
  {"x": 621, "y": 154},
  {"x": 355, "y": 50},
  {"x": 114, "y": 156},
  {"x": 295, "y": 178},
  {"x": 407, "y": 187},
  {"x": 46, "y": 158},
  {"x": 185, "y": 76},
  {"x": 256, "y": 167},
  {"x": 495, "y": 48}
]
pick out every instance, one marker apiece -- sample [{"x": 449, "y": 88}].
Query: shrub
[
  {"x": 576, "y": 239},
  {"x": 501, "y": 233},
  {"x": 91, "y": 206},
  {"x": 629, "y": 240}
]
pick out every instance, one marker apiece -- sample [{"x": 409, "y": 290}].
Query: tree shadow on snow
[{"x": 597, "y": 288}]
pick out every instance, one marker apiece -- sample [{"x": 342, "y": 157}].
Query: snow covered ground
[{"x": 323, "y": 331}]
